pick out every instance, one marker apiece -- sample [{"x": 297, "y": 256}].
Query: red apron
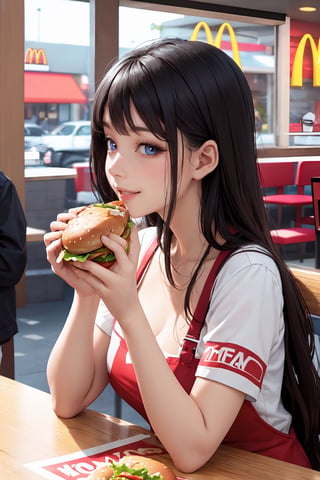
[{"x": 249, "y": 431}]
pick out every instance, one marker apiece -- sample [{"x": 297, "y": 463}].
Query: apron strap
[
  {"x": 146, "y": 258},
  {"x": 203, "y": 303},
  {"x": 192, "y": 337}
]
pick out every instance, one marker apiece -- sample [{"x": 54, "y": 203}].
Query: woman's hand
[
  {"x": 116, "y": 285},
  {"x": 65, "y": 270}
]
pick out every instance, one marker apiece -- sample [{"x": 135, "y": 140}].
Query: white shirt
[{"x": 241, "y": 342}]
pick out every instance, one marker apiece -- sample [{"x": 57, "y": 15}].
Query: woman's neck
[{"x": 189, "y": 243}]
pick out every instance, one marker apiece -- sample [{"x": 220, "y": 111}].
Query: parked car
[
  {"x": 67, "y": 144},
  {"x": 33, "y": 132},
  {"x": 31, "y": 155},
  {"x": 34, "y": 146}
]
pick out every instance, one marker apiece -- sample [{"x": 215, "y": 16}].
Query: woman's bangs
[{"x": 129, "y": 91}]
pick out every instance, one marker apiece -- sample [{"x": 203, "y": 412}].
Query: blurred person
[
  {"x": 258, "y": 121},
  {"x": 12, "y": 265},
  {"x": 45, "y": 125}
]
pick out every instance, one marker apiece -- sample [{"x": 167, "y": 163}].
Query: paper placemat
[{"x": 78, "y": 465}]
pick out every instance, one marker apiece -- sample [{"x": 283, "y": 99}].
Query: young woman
[{"x": 200, "y": 327}]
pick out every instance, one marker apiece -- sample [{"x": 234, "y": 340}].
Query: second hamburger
[{"x": 133, "y": 467}]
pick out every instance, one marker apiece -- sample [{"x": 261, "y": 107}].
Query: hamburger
[
  {"x": 133, "y": 467},
  {"x": 81, "y": 239}
]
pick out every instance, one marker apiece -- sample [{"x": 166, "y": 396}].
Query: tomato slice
[{"x": 129, "y": 476}]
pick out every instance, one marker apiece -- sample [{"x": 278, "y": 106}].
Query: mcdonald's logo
[
  {"x": 218, "y": 40},
  {"x": 35, "y": 56},
  {"x": 297, "y": 66}
]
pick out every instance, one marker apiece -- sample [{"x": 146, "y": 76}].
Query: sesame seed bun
[
  {"x": 84, "y": 232},
  {"x": 135, "y": 462},
  {"x": 81, "y": 239}
]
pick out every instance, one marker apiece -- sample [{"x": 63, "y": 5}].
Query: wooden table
[
  {"x": 30, "y": 431},
  {"x": 48, "y": 173},
  {"x": 35, "y": 234}
]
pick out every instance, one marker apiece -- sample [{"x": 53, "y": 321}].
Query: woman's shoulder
[{"x": 251, "y": 257}]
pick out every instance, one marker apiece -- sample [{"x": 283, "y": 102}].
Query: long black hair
[{"x": 196, "y": 89}]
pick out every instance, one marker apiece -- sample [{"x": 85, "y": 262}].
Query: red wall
[{"x": 297, "y": 30}]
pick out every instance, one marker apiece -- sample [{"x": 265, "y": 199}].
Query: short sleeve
[{"x": 244, "y": 324}]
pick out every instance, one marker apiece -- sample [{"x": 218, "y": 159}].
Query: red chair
[
  {"x": 278, "y": 174},
  {"x": 82, "y": 181},
  {"x": 286, "y": 236},
  {"x": 305, "y": 170},
  {"x": 315, "y": 184},
  {"x": 79, "y": 189}
]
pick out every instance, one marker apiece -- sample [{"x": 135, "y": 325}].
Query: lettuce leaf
[{"x": 143, "y": 473}]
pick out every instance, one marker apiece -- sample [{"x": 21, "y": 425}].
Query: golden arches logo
[
  {"x": 36, "y": 55},
  {"x": 297, "y": 66},
  {"x": 218, "y": 40}
]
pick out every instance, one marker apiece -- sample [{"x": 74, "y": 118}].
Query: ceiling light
[{"x": 308, "y": 9}]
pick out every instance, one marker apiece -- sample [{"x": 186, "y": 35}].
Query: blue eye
[
  {"x": 111, "y": 145},
  {"x": 150, "y": 149}
]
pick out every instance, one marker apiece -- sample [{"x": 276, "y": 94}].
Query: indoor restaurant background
[{"x": 53, "y": 54}]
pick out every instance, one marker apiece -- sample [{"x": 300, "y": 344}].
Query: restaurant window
[
  {"x": 255, "y": 43},
  {"x": 57, "y": 38},
  {"x": 304, "y": 127},
  {"x": 56, "y": 63}
]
